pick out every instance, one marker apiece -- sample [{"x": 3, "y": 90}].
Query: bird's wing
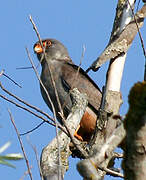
[{"x": 75, "y": 77}]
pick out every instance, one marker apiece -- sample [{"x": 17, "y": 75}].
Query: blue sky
[{"x": 76, "y": 23}]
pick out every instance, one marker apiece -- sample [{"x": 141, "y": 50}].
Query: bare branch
[
  {"x": 24, "y": 102},
  {"x": 21, "y": 144},
  {"x": 111, "y": 172},
  {"x": 141, "y": 39},
  {"x": 89, "y": 166},
  {"x": 24, "y": 68},
  {"x": 37, "y": 157},
  {"x": 37, "y": 33},
  {"x": 52, "y": 105},
  {"x": 121, "y": 44},
  {"x": 28, "y": 110},
  {"x": 22, "y": 134},
  {"x": 12, "y": 80},
  {"x": 25, "y": 174},
  {"x": 2, "y": 73}
]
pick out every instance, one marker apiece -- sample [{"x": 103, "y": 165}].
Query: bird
[{"x": 66, "y": 75}]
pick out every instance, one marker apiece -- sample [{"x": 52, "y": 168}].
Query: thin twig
[
  {"x": 53, "y": 108},
  {"x": 141, "y": 39},
  {"x": 37, "y": 33},
  {"x": 12, "y": 80},
  {"x": 31, "y": 106},
  {"x": 37, "y": 157},
  {"x": 81, "y": 59},
  {"x": 118, "y": 155},
  {"x": 21, "y": 144},
  {"x": 111, "y": 172},
  {"x": 2, "y": 73},
  {"x": 24, "y": 68},
  {"x": 28, "y": 110},
  {"x": 22, "y": 134},
  {"x": 24, "y": 108},
  {"x": 25, "y": 174},
  {"x": 56, "y": 93},
  {"x": 27, "y": 104}
]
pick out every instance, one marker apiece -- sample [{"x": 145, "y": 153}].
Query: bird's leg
[{"x": 77, "y": 135}]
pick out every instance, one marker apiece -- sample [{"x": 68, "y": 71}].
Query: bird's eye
[{"x": 48, "y": 43}]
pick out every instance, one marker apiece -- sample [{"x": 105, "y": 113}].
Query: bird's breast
[{"x": 51, "y": 81}]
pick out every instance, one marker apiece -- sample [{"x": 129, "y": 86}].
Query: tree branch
[
  {"x": 49, "y": 160},
  {"x": 21, "y": 144},
  {"x": 134, "y": 163},
  {"x": 105, "y": 141},
  {"x": 121, "y": 44}
]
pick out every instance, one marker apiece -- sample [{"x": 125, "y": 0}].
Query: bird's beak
[{"x": 38, "y": 49}]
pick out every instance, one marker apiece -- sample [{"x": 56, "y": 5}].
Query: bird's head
[{"x": 54, "y": 50}]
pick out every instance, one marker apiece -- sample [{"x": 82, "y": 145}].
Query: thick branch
[
  {"x": 121, "y": 44},
  {"x": 106, "y": 141},
  {"x": 134, "y": 163},
  {"x": 100, "y": 156},
  {"x": 49, "y": 160},
  {"x": 89, "y": 167}
]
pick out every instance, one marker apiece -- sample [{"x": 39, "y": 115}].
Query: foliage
[{"x": 9, "y": 157}]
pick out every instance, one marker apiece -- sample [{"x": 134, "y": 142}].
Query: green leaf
[
  {"x": 6, "y": 163},
  {"x": 5, "y": 146},
  {"x": 12, "y": 156}
]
